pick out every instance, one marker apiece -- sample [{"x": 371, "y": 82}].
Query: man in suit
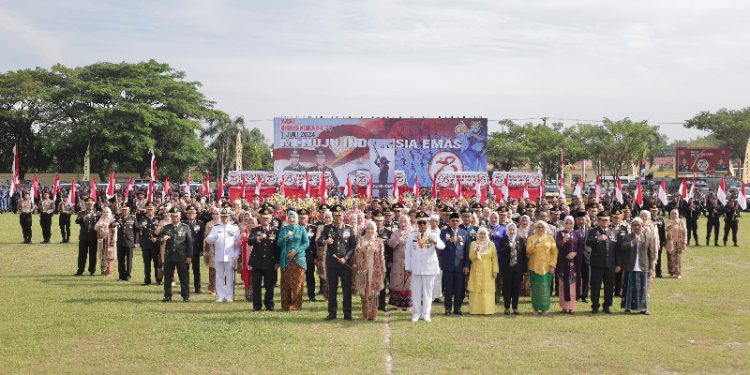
[
  {"x": 341, "y": 240},
  {"x": 264, "y": 259},
  {"x": 149, "y": 247},
  {"x": 178, "y": 253},
  {"x": 454, "y": 261},
  {"x": 87, "y": 237},
  {"x": 603, "y": 241},
  {"x": 197, "y": 227}
]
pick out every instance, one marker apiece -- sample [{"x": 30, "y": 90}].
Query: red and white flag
[
  {"x": 323, "y": 189},
  {"x": 369, "y": 187},
  {"x": 598, "y": 188},
  {"x": 15, "y": 173},
  {"x": 35, "y": 190},
  {"x": 167, "y": 187},
  {"x": 56, "y": 186},
  {"x": 542, "y": 191},
  {"x": 110, "y": 193},
  {"x": 459, "y": 188},
  {"x": 306, "y": 185},
  {"x": 478, "y": 192},
  {"x": 561, "y": 189},
  {"x": 243, "y": 187},
  {"x": 741, "y": 200},
  {"x": 349, "y": 187},
  {"x": 395, "y": 188},
  {"x": 92, "y": 193},
  {"x": 72, "y": 192},
  {"x": 416, "y": 187},
  {"x": 662, "y": 195},
  {"x": 618, "y": 192},
  {"x": 220, "y": 189},
  {"x": 128, "y": 189},
  {"x": 683, "y": 190},
  {"x": 283, "y": 185},
  {"x": 257, "y": 187},
  {"x": 638, "y": 194},
  {"x": 433, "y": 190},
  {"x": 578, "y": 191},
  {"x": 721, "y": 193},
  {"x": 505, "y": 187},
  {"x": 525, "y": 194},
  {"x": 187, "y": 186},
  {"x": 150, "y": 192},
  {"x": 154, "y": 171},
  {"x": 692, "y": 189}
]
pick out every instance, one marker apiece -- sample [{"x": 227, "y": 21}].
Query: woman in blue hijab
[{"x": 292, "y": 242}]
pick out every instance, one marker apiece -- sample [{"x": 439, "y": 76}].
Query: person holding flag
[
  {"x": 46, "y": 210},
  {"x": 66, "y": 208},
  {"x": 26, "y": 208},
  {"x": 731, "y": 217}
]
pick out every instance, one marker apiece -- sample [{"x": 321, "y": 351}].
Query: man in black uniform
[
  {"x": 264, "y": 259},
  {"x": 622, "y": 229},
  {"x": 295, "y": 166},
  {"x": 197, "y": 228},
  {"x": 320, "y": 166},
  {"x": 731, "y": 214},
  {"x": 341, "y": 240},
  {"x": 604, "y": 242},
  {"x": 385, "y": 234},
  {"x": 149, "y": 247},
  {"x": 127, "y": 226},
  {"x": 87, "y": 237},
  {"x": 310, "y": 253},
  {"x": 65, "y": 208},
  {"x": 27, "y": 207},
  {"x": 46, "y": 210},
  {"x": 692, "y": 214},
  {"x": 713, "y": 212},
  {"x": 661, "y": 227},
  {"x": 466, "y": 224},
  {"x": 178, "y": 253}
]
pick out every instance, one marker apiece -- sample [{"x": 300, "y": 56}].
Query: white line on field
[{"x": 387, "y": 338}]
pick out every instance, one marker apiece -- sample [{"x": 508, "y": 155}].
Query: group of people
[{"x": 415, "y": 252}]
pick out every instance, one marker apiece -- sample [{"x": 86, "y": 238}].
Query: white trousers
[
  {"x": 437, "y": 289},
  {"x": 421, "y": 295},
  {"x": 224, "y": 280}
]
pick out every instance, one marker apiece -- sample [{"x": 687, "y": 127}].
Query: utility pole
[{"x": 544, "y": 120}]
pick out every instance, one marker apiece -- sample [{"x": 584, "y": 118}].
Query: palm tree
[{"x": 221, "y": 133}]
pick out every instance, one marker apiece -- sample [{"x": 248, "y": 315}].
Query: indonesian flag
[
  {"x": 56, "y": 186},
  {"x": 187, "y": 186},
  {"x": 395, "y": 188},
  {"x": 525, "y": 194},
  {"x": 220, "y": 189},
  {"x": 111, "y": 186},
  {"x": 618, "y": 192},
  {"x": 283, "y": 185},
  {"x": 257, "y": 187},
  {"x": 348, "y": 187},
  {"x": 306, "y": 185},
  {"x": 638, "y": 194},
  {"x": 15, "y": 173},
  {"x": 504, "y": 188},
  {"x": 578, "y": 191},
  {"x": 207, "y": 186},
  {"x": 323, "y": 189},
  {"x": 416, "y": 186},
  {"x": 561, "y": 189},
  {"x": 683, "y": 191},
  {"x": 721, "y": 193},
  {"x": 93, "y": 194},
  {"x": 692, "y": 189},
  {"x": 128, "y": 189},
  {"x": 72, "y": 192},
  {"x": 598, "y": 188},
  {"x": 154, "y": 171},
  {"x": 434, "y": 191},
  {"x": 369, "y": 187},
  {"x": 150, "y": 192},
  {"x": 542, "y": 191},
  {"x": 167, "y": 187},
  {"x": 741, "y": 200},
  {"x": 243, "y": 187},
  {"x": 459, "y": 188},
  {"x": 662, "y": 195},
  {"x": 34, "y": 189},
  {"x": 478, "y": 191}
]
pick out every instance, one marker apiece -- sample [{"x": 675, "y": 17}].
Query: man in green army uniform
[{"x": 178, "y": 253}]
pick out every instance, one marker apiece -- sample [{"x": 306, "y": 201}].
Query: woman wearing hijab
[
  {"x": 512, "y": 254},
  {"x": 484, "y": 269},
  {"x": 106, "y": 241},
  {"x": 569, "y": 253},
  {"x": 677, "y": 238},
  {"x": 400, "y": 295},
  {"x": 524, "y": 227},
  {"x": 542, "y": 252},
  {"x": 292, "y": 242},
  {"x": 369, "y": 267}
]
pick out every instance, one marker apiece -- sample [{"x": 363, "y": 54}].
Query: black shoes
[
  {"x": 78, "y": 274},
  {"x": 607, "y": 311},
  {"x": 447, "y": 313},
  {"x": 166, "y": 299},
  {"x": 347, "y": 317},
  {"x": 185, "y": 299},
  {"x": 459, "y": 313},
  {"x": 330, "y": 317},
  {"x": 595, "y": 311},
  {"x": 146, "y": 283}
]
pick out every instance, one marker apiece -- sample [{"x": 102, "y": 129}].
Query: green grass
[{"x": 56, "y": 323}]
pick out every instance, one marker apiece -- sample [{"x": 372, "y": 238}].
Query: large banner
[
  {"x": 345, "y": 147},
  {"x": 701, "y": 162}
]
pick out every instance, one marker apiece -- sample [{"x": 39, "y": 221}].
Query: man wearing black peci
[
  {"x": 603, "y": 241},
  {"x": 341, "y": 240},
  {"x": 87, "y": 237},
  {"x": 127, "y": 226}
]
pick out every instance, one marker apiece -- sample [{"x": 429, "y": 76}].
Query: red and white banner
[
  {"x": 15, "y": 173},
  {"x": 56, "y": 186},
  {"x": 92, "y": 193},
  {"x": 72, "y": 192},
  {"x": 110, "y": 193},
  {"x": 129, "y": 188}
]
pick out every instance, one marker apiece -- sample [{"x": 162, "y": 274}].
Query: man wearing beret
[
  {"x": 341, "y": 240},
  {"x": 178, "y": 254}
]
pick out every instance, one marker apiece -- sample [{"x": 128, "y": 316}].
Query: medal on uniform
[{"x": 421, "y": 241}]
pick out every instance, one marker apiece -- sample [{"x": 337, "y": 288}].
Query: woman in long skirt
[
  {"x": 292, "y": 242},
  {"x": 542, "y": 252},
  {"x": 369, "y": 267},
  {"x": 569, "y": 253},
  {"x": 484, "y": 269},
  {"x": 400, "y": 295},
  {"x": 676, "y": 242},
  {"x": 106, "y": 241}
]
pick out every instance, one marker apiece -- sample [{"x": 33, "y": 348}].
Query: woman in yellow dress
[
  {"x": 484, "y": 269},
  {"x": 541, "y": 250}
]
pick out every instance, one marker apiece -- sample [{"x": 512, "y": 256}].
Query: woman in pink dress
[
  {"x": 400, "y": 295},
  {"x": 106, "y": 241}
]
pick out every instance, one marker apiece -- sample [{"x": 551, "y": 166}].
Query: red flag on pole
[
  {"x": 349, "y": 187},
  {"x": 434, "y": 191},
  {"x": 618, "y": 192},
  {"x": 369, "y": 187},
  {"x": 283, "y": 185},
  {"x": 416, "y": 187},
  {"x": 34, "y": 190},
  {"x": 150, "y": 192},
  {"x": 15, "y": 173},
  {"x": 56, "y": 186},
  {"x": 167, "y": 186},
  {"x": 72, "y": 192},
  {"x": 128, "y": 189},
  {"x": 459, "y": 188},
  {"x": 662, "y": 192},
  {"x": 111, "y": 186},
  {"x": 220, "y": 189},
  {"x": 92, "y": 193},
  {"x": 598, "y": 188},
  {"x": 257, "y": 187},
  {"x": 638, "y": 193},
  {"x": 323, "y": 189},
  {"x": 721, "y": 193},
  {"x": 207, "y": 186},
  {"x": 154, "y": 171},
  {"x": 306, "y": 185}
]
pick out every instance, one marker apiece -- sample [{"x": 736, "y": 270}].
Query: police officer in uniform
[
  {"x": 178, "y": 253},
  {"x": 341, "y": 240},
  {"x": 604, "y": 242},
  {"x": 127, "y": 227},
  {"x": 731, "y": 216},
  {"x": 320, "y": 166},
  {"x": 295, "y": 166},
  {"x": 692, "y": 214},
  {"x": 264, "y": 260},
  {"x": 26, "y": 207},
  {"x": 65, "y": 208},
  {"x": 713, "y": 212},
  {"x": 46, "y": 210},
  {"x": 197, "y": 228},
  {"x": 466, "y": 225},
  {"x": 149, "y": 245},
  {"x": 310, "y": 253},
  {"x": 87, "y": 237}
]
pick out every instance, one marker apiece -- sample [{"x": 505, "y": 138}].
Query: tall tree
[
  {"x": 628, "y": 140},
  {"x": 506, "y": 149},
  {"x": 730, "y": 127}
]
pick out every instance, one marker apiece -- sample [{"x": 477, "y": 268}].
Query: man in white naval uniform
[
  {"x": 422, "y": 267},
  {"x": 226, "y": 239}
]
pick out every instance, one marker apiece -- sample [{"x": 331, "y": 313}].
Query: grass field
[{"x": 56, "y": 323}]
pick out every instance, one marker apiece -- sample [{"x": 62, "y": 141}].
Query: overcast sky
[{"x": 661, "y": 61}]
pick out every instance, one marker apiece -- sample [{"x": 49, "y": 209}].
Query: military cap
[
  {"x": 603, "y": 215},
  {"x": 87, "y": 199},
  {"x": 225, "y": 212},
  {"x": 324, "y": 207},
  {"x": 477, "y": 206},
  {"x": 377, "y": 214},
  {"x": 174, "y": 211},
  {"x": 422, "y": 216},
  {"x": 303, "y": 212},
  {"x": 124, "y": 206},
  {"x": 654, "y": 207},
  {"x": 386, "y": 210},
  {"x": 531, "y": 205},
  {"x": 455, "y": 215},
  {"x": 338, "y": 209},
  {"x": 191, "y": 208},
  {"x": 581, "y": 213},
  {"x": 397, "y": 207},
  {"x": 294, "y": 154},
  {"x": 616, "y": 212},
  {"x": 466, "y": 211},
  {"x": 150, "y": 205}
]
